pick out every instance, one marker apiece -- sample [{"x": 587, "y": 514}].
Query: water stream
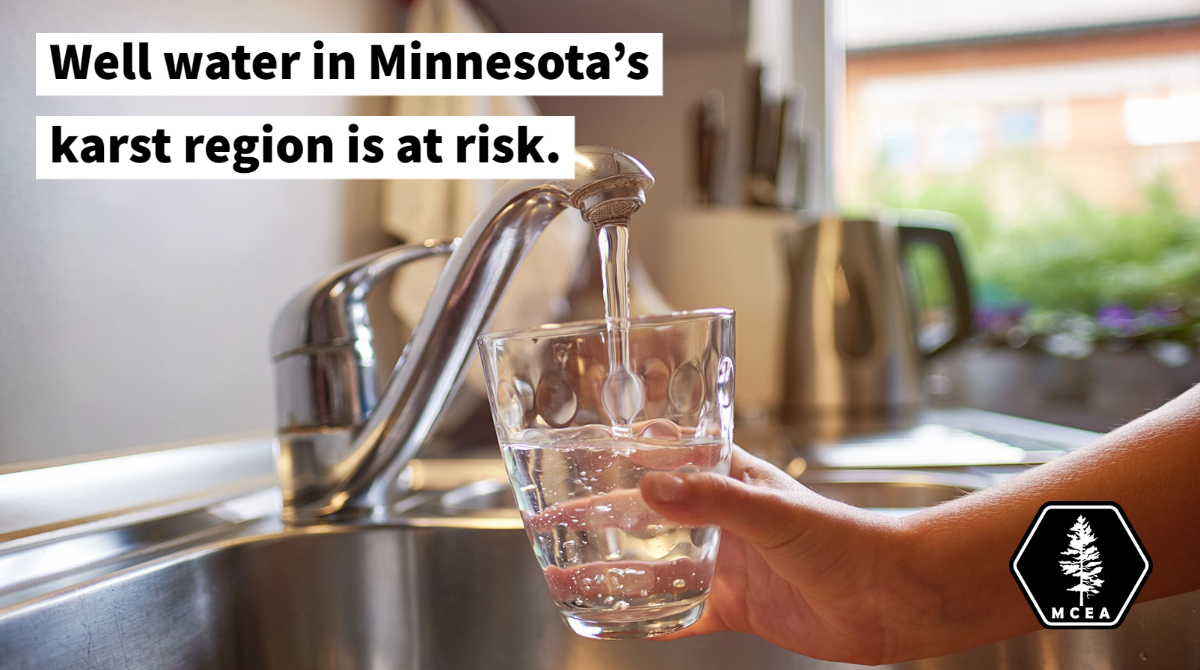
[{"x": 623, "y": 394}]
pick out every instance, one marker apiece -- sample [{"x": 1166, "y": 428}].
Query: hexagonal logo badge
[{"x": 1080, "y": 565}]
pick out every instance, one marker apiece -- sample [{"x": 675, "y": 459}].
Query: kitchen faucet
[{"x": 342, "y": 446}]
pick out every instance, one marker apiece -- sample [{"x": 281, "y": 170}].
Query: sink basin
[
  {"x": 455, "y": 585},
  {"x": 176, "y": 560},
  {"x": 414, "y": 597},
  {"x": 894, "y": 492}
]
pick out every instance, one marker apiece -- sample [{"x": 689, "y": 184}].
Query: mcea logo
[{"x": 1080, "y": 565}]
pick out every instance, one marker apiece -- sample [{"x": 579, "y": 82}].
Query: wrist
[{"x": 916, "y": 575}]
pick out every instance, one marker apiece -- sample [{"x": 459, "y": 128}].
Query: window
[
  {"x": 1018, "y": 126},
  {"x": 1171, "y": 120}
]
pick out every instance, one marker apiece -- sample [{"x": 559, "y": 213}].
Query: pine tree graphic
[{"x": 1085, "y": 559}]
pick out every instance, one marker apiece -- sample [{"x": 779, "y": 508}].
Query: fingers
[
  {"x": 624, "y": 508},
  {"x": 760, "y": 514},
  {"x": 757, "y": 507},
  {"x": 754, "y": 470}
]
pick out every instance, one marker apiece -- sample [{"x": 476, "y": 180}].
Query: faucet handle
[
  {"x": 327, "y": 311},
  {"x": 321, "y": 344}
]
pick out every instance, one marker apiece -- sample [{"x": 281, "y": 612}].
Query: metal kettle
[{"x": 851, "y": 353}]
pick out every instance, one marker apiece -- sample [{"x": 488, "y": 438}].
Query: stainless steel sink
[
  {"x": 894, "y": 492},
  {"x": 425, "y": 597},
  {"x": 209, "y": 579}
]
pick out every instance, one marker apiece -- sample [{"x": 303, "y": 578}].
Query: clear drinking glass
[{"x": 615, "y": 568}]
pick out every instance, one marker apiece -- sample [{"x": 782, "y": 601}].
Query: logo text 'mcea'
[{"x": 1080, "y": 565}]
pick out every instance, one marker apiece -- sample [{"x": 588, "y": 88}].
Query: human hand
[{"x": 797, "y": 569}]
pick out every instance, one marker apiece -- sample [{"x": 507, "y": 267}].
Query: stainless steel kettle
[{"x": 851, "y": 351}]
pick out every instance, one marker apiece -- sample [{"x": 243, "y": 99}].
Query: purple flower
[
  {"x": 998, "y": 320},
  {"x": 1118, "y": 317},
  {"x": 1160, "y": 317}
]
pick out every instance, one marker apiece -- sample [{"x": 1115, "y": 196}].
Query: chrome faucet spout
[{"x": 341, "y": 445}]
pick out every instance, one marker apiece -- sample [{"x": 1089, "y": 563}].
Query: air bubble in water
[
  {"x": 621, "y": 605},
  {"x": 679, "y": 583}
]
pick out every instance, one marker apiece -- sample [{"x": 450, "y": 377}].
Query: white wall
[
  {"x": 133, "y": 313},
  {"x": 658, "y": 131}
]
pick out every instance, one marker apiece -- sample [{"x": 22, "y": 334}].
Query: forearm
[{"x": 956, "y": 556}]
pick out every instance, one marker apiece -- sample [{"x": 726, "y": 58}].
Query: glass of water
[{"x": 615, "y": 568}]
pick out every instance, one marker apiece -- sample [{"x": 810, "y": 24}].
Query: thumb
[{"x": 760, "y": 515}]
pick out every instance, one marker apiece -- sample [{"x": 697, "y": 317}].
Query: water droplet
[
  {"x": 578, "y": 602},
  {"x": 621, "y": 605},
  {"x": 679, "y": 583},
  {"x": 608, "y": 600}
]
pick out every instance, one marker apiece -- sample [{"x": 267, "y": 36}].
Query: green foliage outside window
[{"x": 1065, "y": 265}]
